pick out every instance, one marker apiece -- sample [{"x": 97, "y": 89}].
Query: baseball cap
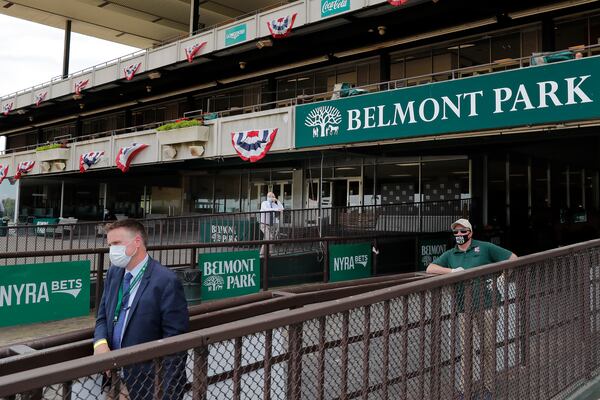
[{"x": 463, "y": 222}]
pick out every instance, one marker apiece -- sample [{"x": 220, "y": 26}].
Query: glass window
[
  {"x": 201, "y": 189},
  {"x": 594, "y": 33},
  {"x": 227, "y": 193},
  {"x": 418, "y": 66},
  {"x": 445, "y": 180},
  {"x": 444, "y": 60},
  {"x": 571, "y": 33},
  {"x": 474, "y": 54},
  {"x": 398, "y": 183},
  {"x": 397, "y": 68},
  {"x": 531, "y": 42},
  {"x": 497, "y": 190}
]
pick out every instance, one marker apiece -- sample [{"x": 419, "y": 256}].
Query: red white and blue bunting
[
  {"x": 87, "y": 160},
  {"x": 7, "y": 108},
  {"x": 281, "y": 27},
  {"x": 79, "y": 86},
  {"x": 192, "y": 51},
  {"x": 131, "y": 70},
  {"x": 41, "y": 96},
  {"x": 126, "y": 155},
  {"x": 397, "y": 3},
  {"x": 253, "y": 145},
  {"x": 3, "y": 172},
  {"x": 24, "y": 167}
]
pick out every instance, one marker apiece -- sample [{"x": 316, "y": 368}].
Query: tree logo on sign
[
  {"x": 324, "y": 120},
  {"x": 214, "y": 283}
]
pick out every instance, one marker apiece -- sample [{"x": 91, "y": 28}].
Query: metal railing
[
  {"x": 22, "y": 356},
  {"x": 310, "y": 223},
  {"x": 303, "y": 98},
  {"x": 531, "y": 334}
]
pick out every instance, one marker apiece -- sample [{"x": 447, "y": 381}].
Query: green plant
[
  {"x": 51, "y": 146},
  {"x": 179, "y": 124}
]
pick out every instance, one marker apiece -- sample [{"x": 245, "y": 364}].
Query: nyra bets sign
[
  {"x": 44, "y": 292},
  {"x": 552, "y": 93},
  {"x": 229, "y": 274},
  {"x": 349, "y": 261}
]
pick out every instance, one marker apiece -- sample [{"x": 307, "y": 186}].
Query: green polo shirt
[{"x": 478, "y": 254}]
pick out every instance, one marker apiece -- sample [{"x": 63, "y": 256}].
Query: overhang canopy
[{"x": 137, "y": 23}]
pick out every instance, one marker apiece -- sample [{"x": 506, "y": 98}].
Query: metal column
[{"x": 66, "y": 49}]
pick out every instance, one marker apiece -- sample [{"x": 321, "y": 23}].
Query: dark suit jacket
[{"x": 159, "y": 310}]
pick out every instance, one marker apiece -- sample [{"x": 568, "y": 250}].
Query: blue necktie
[{"x": 116, "y": 338}]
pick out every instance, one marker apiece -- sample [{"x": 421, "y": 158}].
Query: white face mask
[
  {"x": 118, "y": 256},
  {"x": 271, "y": 199}
]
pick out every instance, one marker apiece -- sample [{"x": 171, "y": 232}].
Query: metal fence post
[
  {"x": 99, "y": 279},
  {"x": 294, "y": 378},
  {"x": 326, "y": 276},
  {"x": 265, "y": 269}
]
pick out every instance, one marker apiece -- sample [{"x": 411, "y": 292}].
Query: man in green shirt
[{"x": 467, "y": 254}]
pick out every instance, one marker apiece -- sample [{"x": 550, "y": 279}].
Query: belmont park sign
[{"x": 552, "y": 93}]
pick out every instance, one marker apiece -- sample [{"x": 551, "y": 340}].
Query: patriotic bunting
[
  {"x": 24, "y": 167},
  {"x": 131, "y": 70},
  {"x": 41, "y": 96},
  {"x": 253, "y": 145},
  {"x": 397, "y": 3},
  {"x": 281, "y": 27},
  {"x": 88, "y": 159},
  {"x": 126, "y": 155},
  {"x": 3, "y": 172},
  {"x": 7, "y": 108},
  {"x": 79, "y": 86},
  {"x": 192, "y": 51}
]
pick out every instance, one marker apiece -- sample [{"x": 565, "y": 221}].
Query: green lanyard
[{"x": 135, "y": 281}]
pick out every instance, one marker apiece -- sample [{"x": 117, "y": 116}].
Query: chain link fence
[
  {"x": 48, "y": 234},
  {"x": 512, "y": 330}
]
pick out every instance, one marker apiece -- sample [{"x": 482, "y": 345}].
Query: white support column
[
  {"x": 17, "y": 201},
  {"x": 62, "y": 198}
]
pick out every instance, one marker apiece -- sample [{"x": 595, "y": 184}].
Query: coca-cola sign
[{"x": 333, "y": 7}]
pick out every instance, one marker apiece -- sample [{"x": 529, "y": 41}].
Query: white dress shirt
[
  {"x": 134, "y": 272},
  {"x": 268, "y": 209}
]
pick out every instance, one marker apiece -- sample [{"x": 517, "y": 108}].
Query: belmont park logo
[
  {"x": 229, "y": 274},
  {"x": 34, "y": 293}
]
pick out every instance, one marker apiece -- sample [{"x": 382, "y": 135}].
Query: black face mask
[{"x": 460, "y": 239}]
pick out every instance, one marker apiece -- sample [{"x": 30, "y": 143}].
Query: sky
[{"x": 32, "y": 53}]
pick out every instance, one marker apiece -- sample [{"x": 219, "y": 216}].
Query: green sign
[
  {"x": 41, "y": 229},
  {"x": 333, "y": 7},
  {"x": 44, "y": 292},
  {"x": 559, "y": 92},
  {"x": 229, "y": 274},
  {"x": 429, "y": 250},
  {"x": 228, "y": 230},
  {"x": 349, "y": 261},
  {"x": 235, "y": 35}
]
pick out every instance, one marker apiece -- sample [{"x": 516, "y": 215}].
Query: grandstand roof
[{"x": 138, "y": 23}]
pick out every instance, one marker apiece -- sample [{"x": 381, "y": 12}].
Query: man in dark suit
[{"x": 142, "y": 301}]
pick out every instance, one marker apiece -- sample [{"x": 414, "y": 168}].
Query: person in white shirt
[{"x": 270, "y": 210}]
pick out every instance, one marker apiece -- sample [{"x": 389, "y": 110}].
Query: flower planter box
[
  {"x": 184, "y": 135},
  {"x": 53, "y": 154}
]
